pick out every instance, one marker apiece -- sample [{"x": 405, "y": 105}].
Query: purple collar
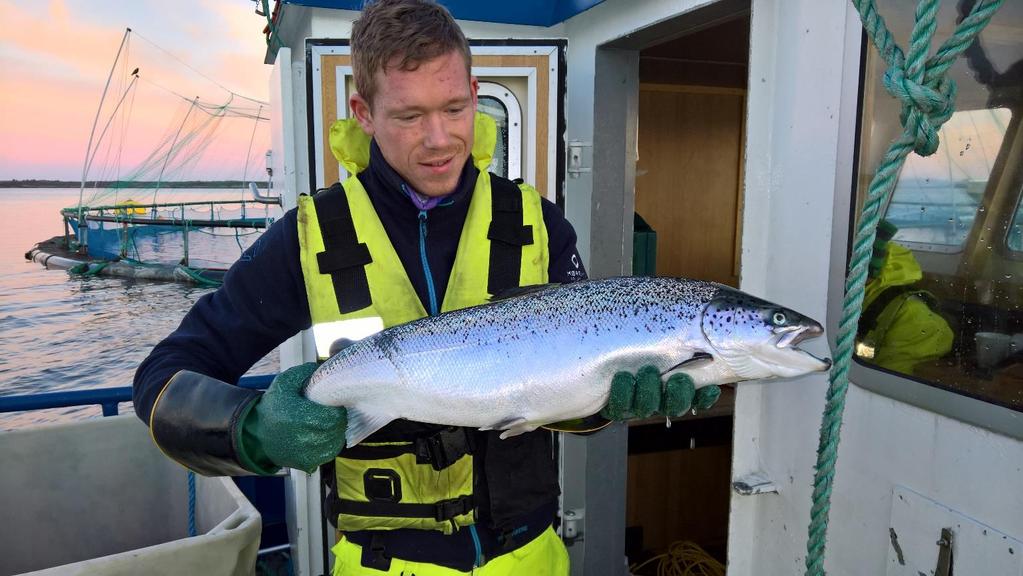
[{"x": 422, "y": 202}]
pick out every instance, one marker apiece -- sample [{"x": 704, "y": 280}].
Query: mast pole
[
  {"x": 83, "y": 231},
  {"x": 95, "y": 121}
]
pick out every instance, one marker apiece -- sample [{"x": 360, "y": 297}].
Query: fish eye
[{"x": 779, "y": 319}]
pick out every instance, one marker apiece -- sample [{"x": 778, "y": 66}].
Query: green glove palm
[
  {"x": 284, "y": 429},
  {"x": 644, "y": 394}
]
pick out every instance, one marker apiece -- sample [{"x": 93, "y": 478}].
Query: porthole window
[{"x": 501, "y": 104}]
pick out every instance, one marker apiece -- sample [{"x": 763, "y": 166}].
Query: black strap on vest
[
  {"x": 439, "y": 511},
  {"x": 439, "y": 450},
  {"x": 507, "y": 235},
  {"x": 345, "y": 258}
]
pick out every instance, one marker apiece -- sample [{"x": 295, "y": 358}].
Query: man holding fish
[{"x": 431, "y": 433}]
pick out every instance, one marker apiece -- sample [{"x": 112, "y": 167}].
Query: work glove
[
  {"x": 644, "y": 394},
  {"x": 885, "y": 232},
  {"x": 285, "y": 429}
]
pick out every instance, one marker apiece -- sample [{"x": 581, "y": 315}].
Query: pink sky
[{"x": 56, "y": 54}]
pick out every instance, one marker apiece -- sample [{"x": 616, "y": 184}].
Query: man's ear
[{"x": 362, "y": 111}]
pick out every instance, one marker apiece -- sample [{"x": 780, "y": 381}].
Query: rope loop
[{"x": 926, "y": 106}]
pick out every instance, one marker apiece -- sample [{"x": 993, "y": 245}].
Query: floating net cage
[
  {"x": 190, "y": 195},
  {"x": 198, "y": 234}
]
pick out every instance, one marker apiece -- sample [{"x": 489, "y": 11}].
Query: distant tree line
[{"x": 134, "y": 184}]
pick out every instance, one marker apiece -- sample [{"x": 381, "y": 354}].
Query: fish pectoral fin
[
  {"x": 362, "y": 423},
  {"x": 585, "y": 425},
  {"x": 697, "y": 360},
  {"x": 512, "y": 427}
]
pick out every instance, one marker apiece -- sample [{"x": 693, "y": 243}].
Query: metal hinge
[
  {"x": 572, "y": 524},
  {"x": 576, "y": 164},
  {"x": 754, "y": 483},
  {"x": 944, "y": 567}
]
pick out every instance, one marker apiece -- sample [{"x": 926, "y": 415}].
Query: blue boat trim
[{"x": 526, "y": 12}]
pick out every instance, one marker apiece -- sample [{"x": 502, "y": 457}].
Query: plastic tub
[{"x": 97, "y": 497}]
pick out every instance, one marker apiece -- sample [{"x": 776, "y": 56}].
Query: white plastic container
[{"x": 97, "y": 497}]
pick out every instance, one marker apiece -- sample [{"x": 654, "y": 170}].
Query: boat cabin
[{"x": 734, "y": 141}]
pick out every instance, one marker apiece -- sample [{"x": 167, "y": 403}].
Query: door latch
[{"x": 944, "y": 567}]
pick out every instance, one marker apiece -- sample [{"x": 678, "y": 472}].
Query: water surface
[{"x": 61, "y": 332}]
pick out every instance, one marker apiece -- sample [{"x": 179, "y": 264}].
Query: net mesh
[{"x": 167, "y": 178}]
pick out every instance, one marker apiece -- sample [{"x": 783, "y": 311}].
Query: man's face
[{"x": 423, "y": 121}]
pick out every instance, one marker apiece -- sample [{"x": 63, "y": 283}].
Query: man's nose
[{"x": 436, "y": 131}]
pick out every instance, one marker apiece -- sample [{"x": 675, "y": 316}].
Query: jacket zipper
[
  {"x": 426, "y": 264},
  {"x": 479, "y": 549}
]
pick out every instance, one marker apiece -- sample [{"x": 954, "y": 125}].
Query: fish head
[{"x": 758, "y": 339}]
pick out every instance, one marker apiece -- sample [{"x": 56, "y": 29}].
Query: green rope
[
  {"x": 87, "y": 268},
  {"x": 928, "y": 101},
  {"x": 198, "y": 278}
]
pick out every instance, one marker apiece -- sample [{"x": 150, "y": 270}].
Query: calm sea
[{"x": 59, "y": 332}]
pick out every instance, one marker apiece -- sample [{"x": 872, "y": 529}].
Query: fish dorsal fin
[
  {"x": 521, "y": 291},
  {"x": 364, "y": 422}
]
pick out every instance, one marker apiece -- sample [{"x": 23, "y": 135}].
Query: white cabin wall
[
  {"x": 792, "y": 154},
  {"x": 886, "y": 443}
]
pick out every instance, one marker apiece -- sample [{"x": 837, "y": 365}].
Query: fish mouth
[{"x": 790, "y": 336}]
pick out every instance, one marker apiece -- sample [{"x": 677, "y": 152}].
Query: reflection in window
[
  {"x": 936, "y": 199},
  {"x": 1015, "y": 239},
  {"x": 493, "y": 107},
  {"x": 944, "y": 299},
  {"x": 500, "y": 103}
]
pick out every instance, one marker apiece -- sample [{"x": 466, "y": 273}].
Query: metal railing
[{"x": 106, "y": 398}]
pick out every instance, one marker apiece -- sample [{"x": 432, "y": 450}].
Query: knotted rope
[{"x": 928, "y": 101}]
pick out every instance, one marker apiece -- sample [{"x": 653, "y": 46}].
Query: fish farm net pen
[{"x": 928, "y": 101}]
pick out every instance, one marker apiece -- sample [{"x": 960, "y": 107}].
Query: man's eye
[
  {"x": 408, "y": 117},
  {"x": 455, "y": 111}
]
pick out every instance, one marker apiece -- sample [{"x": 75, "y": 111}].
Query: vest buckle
[
  {"x": 375, "y": 556},
  {"x": 447, "y": 509},
  {"x": 444, "y": 448}
]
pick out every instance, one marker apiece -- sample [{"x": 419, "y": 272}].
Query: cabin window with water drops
[{"x": 944, "y": 299}]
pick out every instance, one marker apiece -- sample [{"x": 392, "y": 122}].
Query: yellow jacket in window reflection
[{"x": 900, "y": 327}]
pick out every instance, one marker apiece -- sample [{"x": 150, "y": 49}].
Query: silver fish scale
[{"x": 538, "y": 358}]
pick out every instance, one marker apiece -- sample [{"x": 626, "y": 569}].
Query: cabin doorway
[{"x": 687, "y": 81}]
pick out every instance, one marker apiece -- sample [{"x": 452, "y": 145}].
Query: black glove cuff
[{"x": 195, "y": 422}]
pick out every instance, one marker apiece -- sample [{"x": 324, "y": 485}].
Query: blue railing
[{"x": 107, "y": 398}]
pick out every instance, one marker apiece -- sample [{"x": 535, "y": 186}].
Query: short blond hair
[{"x": 413, "y": 31}]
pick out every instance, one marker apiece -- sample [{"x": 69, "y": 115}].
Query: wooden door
[{"x": 688, "y": 178}]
